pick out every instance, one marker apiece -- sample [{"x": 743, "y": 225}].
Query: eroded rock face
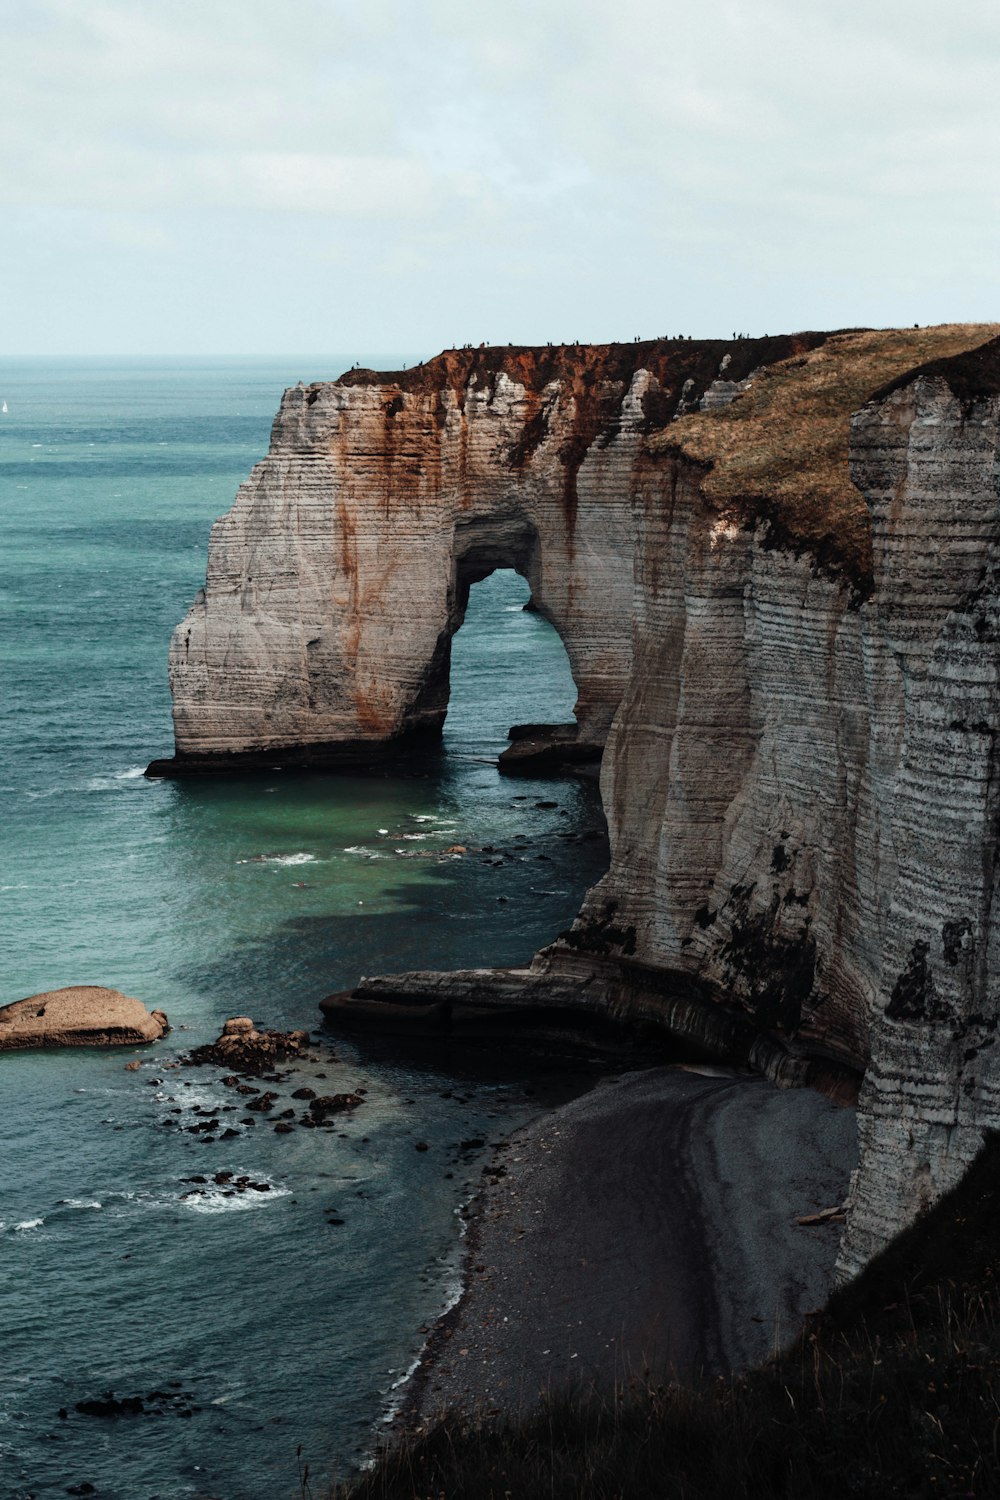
[
  {"x": 86, "y": 1015},
  {"x": 337, "y": 580},
  {"x": 801, "y": 781},
  {"x": 926, "y": 456}
]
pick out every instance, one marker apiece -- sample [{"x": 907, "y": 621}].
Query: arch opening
[{"x": 508, "y": 665}]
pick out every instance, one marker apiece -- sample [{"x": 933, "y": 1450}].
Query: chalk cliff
[
  {"x": 337, "y": 580},
  {"x": 801, "y": 779},
  {"x": 798, "y": 667}
]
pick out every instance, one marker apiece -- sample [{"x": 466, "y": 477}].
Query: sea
[{"x": 268, "y": 1330}]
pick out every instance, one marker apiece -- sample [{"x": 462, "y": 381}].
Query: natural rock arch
[
  {"x": 339, "y": 577},
  {"x": 481, "y": 548},
  {"x": 322, "y": 634}
]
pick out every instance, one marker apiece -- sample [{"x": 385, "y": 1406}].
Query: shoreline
[{"x": 576, "y": 1273}]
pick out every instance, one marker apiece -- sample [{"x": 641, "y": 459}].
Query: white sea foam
[
  {"x": 365, "y": 853},
  {"x": 453, "y": 1288},
  {"x": 114, "y": 779},
  {"x": 28, "y": 1224},
  {"x": 79, "y": 1203},
  {"x": 416, "y": 835},
  {"x": 197, "y": 1095},
  {"x": 212, "y": 1200},
  {"x": 290, "y": 859}
]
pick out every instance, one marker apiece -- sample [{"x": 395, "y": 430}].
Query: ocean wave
[
  {"x": 452, "y": 1290},
  {"x": 79, "y": 1203},
  {"x": 216, "y": 1200},
  {"x": 280, "y": 859},
  {"x": 27, "y": 1224},
  {"x": 111, "y": 780},
  {"x": 416, "y": 835},
  {"x": 193, "y": 1097},
  {"x": 365, "y": 853}
]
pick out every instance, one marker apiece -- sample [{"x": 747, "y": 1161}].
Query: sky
[{"x": 246, "y": 177}]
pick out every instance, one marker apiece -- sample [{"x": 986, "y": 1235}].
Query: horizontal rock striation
[
  {"x": 800, "y": 782},
  {"x": 85, "y": 1015},
  {"x": 338, "y": 579},
  {"x": 926, "y": 453}
]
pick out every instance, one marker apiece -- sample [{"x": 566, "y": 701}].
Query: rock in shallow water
[
  {"x": 250, "y": 1050},
  {"x": 87, "y": 1015}
]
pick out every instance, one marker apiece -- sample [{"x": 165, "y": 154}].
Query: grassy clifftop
[{"x": 780, "y": 451}]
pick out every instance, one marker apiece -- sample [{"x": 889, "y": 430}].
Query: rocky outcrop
[
  {"x": 788, "y": 618},
  {"x": 243, "y": 1047},
  {"x": 338, "y": 579},
  {"x": 84, "y": 1015}
]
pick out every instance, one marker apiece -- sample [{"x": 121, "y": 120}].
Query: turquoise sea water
[{"x": 267, "y": 1325}]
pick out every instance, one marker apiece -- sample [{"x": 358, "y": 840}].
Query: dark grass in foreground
[{"x": 894, "y": 1390}]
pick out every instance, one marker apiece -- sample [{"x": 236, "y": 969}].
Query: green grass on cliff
[
  {"x": 894, "y": 1391},
  {"x": 780, "y": 451}
]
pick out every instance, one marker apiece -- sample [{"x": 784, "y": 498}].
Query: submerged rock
[
  {"x": 86, "y": 1015},
  {"x": 333, "y": 1104},
  {"x": 152, "y": 1404}
]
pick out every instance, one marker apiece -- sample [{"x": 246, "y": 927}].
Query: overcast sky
[{"x": 249, "y": 176}]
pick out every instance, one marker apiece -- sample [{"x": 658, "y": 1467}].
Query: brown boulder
[{"x": 86, "y": 1015}]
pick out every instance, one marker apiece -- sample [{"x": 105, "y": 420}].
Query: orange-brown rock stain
[
  {"x": 374, "y": 718},
  {"x": 592, "y": 382},
  {"x": 776, "y": 455},
  {"x": 347, "y": 522}
]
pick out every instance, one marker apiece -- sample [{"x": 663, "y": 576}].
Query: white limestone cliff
[
  {"x": 801, "y": 782},
  {"x": 337, "y": 580}
]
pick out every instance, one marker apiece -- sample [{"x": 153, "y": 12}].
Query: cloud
[{"x": 513, "y": 164}]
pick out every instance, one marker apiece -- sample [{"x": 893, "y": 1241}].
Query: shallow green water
[{"x": 256, "y": 895}]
